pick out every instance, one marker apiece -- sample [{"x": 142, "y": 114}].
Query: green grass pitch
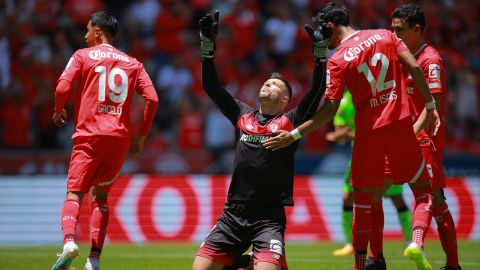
[{"x": 300, "y": 256}]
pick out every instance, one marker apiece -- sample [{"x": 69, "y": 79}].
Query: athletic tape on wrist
[
  {"x": 430, "y": 105},
  {"x": 296, "y": 134}
]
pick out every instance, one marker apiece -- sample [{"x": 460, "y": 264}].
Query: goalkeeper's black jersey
[{"x": 261, "y": 176}]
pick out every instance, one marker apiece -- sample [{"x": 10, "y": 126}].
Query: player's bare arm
[
  {"x": 340, "y": 135},
  {"x": 420, "y": 123},
  {"x": 61, "y": 94},
  {"x": 59, "y": 118},
  {"x": 284, "y": 138},
  {"x": 137, "y": 145},
  {"x": 432, "y": 119}
]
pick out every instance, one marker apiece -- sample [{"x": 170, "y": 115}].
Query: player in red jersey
[
  {"x": 367, "y": 63},
  {"x": 102, "y": 136},
  {"x": 408, "y": 23}
]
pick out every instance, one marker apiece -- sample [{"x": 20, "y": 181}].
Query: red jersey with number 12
[
  {"x": 108, "y": 78},
  {"x": 366, "y": 63},
  {"x": 432, "y": 65}
]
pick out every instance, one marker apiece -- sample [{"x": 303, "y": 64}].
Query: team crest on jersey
[
  {"x": 273, "y": 127},
  {"x": 434, "y": 71},
  {"x": 276, "y": 246}
]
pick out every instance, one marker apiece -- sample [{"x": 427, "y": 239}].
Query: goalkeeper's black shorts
[{"x": 242, "y": 225}]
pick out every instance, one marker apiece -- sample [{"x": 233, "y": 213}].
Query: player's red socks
[
  {"x": 422, "y": 214},
  {"x": 447, "y": 233},
  {"x": 376, "y": 233},
  {"x": 361, "y": 226},
  {"x": 69, "y": 217},
  {"x": 98, "y": 229}
]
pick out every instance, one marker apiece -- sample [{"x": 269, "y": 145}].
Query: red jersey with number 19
[
  {"x": 366, "y": 63},
  {"x": 432, "y": 65},
  {"x": 108, "y": 78}
]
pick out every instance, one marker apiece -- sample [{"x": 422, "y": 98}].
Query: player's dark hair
[
  {"x": 336, "y": 13},
  {"x": 412, "y": 14},
  {"x": 278, "y": 76},
  {"x": 105, "y": 21}
]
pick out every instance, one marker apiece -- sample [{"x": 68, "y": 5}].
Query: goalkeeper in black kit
[{"x": 262, "y": 180}]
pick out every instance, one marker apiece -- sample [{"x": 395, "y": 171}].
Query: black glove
[
  {"x": 208, "y": 34},
  {"x": 320, "y": 36}
]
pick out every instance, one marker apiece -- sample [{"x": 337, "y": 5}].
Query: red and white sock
[
  {"x": 376, "y": 233},
  {"x": 447, "y": 233},
  {"x": 418, "y": 236},
  {"x": 422, "y": 214},
  {"x": 98, "y": 228},
  {"x": 361, "y": 226},
  {"x": 69, "y": 218}
]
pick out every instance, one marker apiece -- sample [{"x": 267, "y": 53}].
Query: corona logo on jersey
[
  {"x": 353, "y": 53},
  {"x": 99, "y": 54}
]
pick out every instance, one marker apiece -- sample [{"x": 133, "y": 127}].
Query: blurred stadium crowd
[{"x": 37, "y": 38}]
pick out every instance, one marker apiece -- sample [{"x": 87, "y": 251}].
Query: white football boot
[{"x": 70, "y": 251}]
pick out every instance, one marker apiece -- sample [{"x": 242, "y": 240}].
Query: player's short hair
[
  {"x": 105, "y": 21},
  {"x": 412, "y": 14},
  {"x": 278, "y": 76},
  {"x": 336, "y": 13}
]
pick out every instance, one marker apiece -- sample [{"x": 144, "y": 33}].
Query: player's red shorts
[
  {"x": 395, "y": 141},
  {"x": 96, "y": 161},
  {"x": 387, "y": 171},
  {"x": 433, "y": 159}
]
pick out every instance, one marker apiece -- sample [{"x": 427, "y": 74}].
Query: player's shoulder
[
  {"x": 244, "y": 105},
  {"x": 82, "y": 52},
  {"x": 375, "y": 31},
  {"x": 132, "y": 59},
  {"x": 378, "y": 34},
  {"x": 430, "y": 51},
  {"x": 430, "y": 55}
]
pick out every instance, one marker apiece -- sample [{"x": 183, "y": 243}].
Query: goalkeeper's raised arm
[{"x": 222, "y": 99}]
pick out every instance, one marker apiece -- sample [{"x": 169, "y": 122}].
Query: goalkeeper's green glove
[
  {"x": 208, "y": 34},
  {"x": 320, "y": 36}
]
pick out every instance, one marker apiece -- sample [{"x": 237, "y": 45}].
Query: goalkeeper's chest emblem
[{"x": 272, "y": 127}]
